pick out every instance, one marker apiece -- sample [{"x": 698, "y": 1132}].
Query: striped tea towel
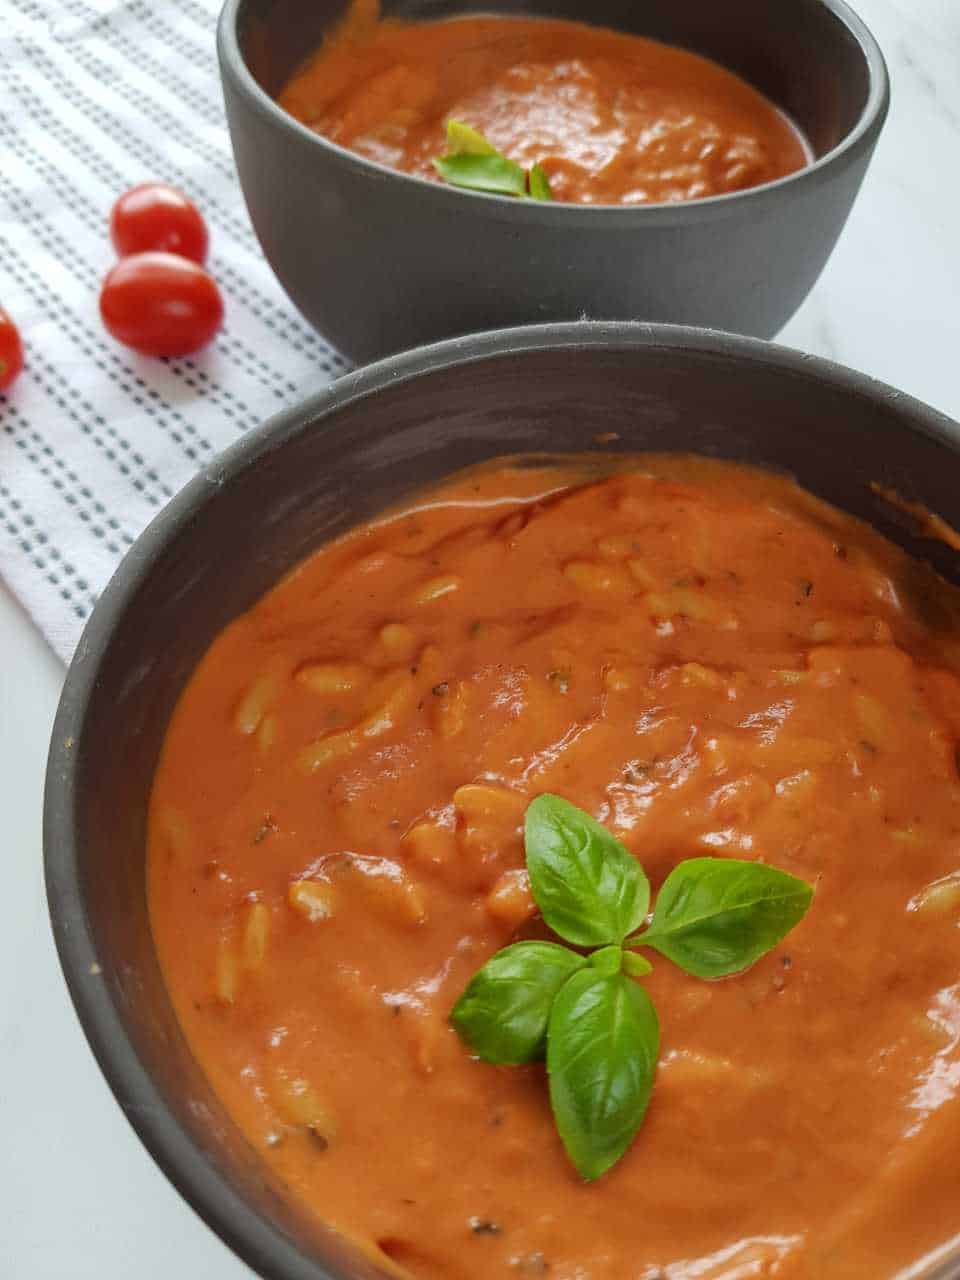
[{"x": 96, "y": 96}]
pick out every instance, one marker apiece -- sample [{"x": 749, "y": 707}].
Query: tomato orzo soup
[
  {"x": 612, "y": 118},
  {"x": 708, "y": 660}
]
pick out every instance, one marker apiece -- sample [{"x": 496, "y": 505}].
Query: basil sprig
[
  {"x": 473, "y": 162},
  {"x": 597, "y": 1028}
]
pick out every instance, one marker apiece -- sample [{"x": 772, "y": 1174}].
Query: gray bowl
[
  {"x": 339, "y": 458},
  {"x": 379, "y": 261}
]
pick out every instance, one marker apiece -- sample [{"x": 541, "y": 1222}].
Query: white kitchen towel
[{"x": 96, "y": 96}]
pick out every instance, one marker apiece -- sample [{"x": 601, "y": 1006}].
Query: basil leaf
[
  {"x": 493, "y": 173},
  {"x": 716, "y": 916},
  {"x": 539, "y": 184},
  {"x": 590, "y": 889},
  {"x": 464, "y": 140},
  {"x": 602, "y": 1044},
  {"x": 502, "y": 1015}
]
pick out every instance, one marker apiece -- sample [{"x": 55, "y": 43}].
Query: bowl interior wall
[{"x": 801, "y": 55}]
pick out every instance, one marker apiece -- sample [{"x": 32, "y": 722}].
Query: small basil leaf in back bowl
[
  {"x": 539, "y": 184},
  {"x": 602, "y": 1045},
  {"x": 503, "y": 1013},
  {"x": 590, "y": 889},
  {"x": 462, "y": 139},
  {"x": 494, "y": 174},
  {"x": 716, "y": 916}
]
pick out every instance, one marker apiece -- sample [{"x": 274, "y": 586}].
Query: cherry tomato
[
  {"x": 11, "y": 351},
  {"x": 160, "y": 305},
  {"x": 154, "y": 216}
]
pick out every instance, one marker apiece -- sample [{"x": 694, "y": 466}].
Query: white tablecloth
[{"x": 95, "y": 97}]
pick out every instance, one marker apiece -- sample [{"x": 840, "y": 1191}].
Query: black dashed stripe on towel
[
  {"x": 96, "y": 95},
  {"x": 203, "y": 102},
  {"x": 100, "y": 349},
  {"x": 67, "y": 483},
  {"x": 269, "y": 307},
  {"x": 191, "y": 9},
  {"x": 75, "y": 405},
  {"x": 35, "y": 543},
  {"x": 117, "y": 127}
]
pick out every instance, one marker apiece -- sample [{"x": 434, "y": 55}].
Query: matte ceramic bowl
[
  {"x": 372, "y": 439},
  {"x": 379, "y": 261}
]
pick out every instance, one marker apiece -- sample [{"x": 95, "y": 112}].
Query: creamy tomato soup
[
  {"x": 709, "y": 661},
  {"x": 612, "y": 118}
]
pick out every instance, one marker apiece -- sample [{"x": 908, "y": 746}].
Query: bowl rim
[
  {"x": 233, "y": 68},
  {"x": 263, "y": 1245}
]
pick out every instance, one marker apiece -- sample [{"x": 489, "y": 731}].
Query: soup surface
[
  {"x": 711, "y": 662},
  {"x": 613, "y": 119}
]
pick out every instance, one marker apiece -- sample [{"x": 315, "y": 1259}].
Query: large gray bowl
[
  {"x": 373, "y": 438},
  {"x": 379, "y": 261}
]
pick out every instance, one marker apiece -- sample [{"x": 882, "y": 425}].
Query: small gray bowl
[
  {"x": 340, "y": 457},
  {"x": 379, "y": 261}
]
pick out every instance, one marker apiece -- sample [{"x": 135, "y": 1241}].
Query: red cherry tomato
[
  {"x": 11, "y": 351},
  {"x": 161, "y": 305},
  {"x": 154, "y": 216}
]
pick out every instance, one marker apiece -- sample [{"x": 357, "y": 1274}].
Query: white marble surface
[{"x": 80, "y": 1197}]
